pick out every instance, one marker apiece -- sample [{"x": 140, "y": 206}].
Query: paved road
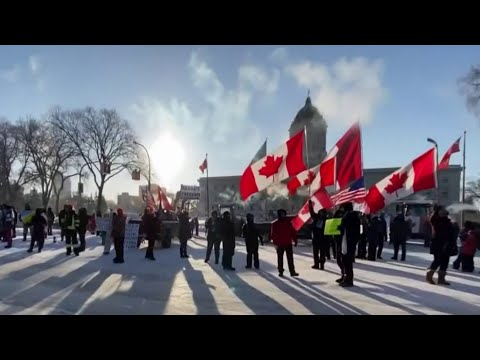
[{"x": 51, "y": 283}]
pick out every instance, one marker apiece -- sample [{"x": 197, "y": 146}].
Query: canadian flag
[
  {"x": 285, "y": 162},
  {"x": 446, "y": 158},
  {"x": 163, "y": 202},
  {"x": 204, "y": 165},
  {"x": 305, "y": 178},
  {"x": 320, "y": 200},
  {"x": 419, "y": 175},
  {"x": 341, "y": 166}
]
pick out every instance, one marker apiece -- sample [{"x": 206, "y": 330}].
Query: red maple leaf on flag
[
  {"x": 271, "y": 166},
  {"x": 396, "y": 183},
  {"x": 305, "y": 210},
  {"x": 309, "y": 179}
]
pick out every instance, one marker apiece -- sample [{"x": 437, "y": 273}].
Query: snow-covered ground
[{"x": 52, "y": 283}]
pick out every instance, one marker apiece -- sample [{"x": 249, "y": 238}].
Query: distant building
[
  {"x": 130, "y": 203},
  {"x": 143, "y": 188},
  {"x": 224, "y": 190}
]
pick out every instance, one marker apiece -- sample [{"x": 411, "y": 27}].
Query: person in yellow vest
[
  {"x": 69, "y": 227},
  {"x": 26, "y": 217}
]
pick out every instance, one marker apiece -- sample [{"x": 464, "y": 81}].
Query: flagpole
[
  {"x": 265, "y": 199},
  {"x": 464, "y": 173},
  {"x": 306, "y": 152},
  {"x": 208, "y": 196}
]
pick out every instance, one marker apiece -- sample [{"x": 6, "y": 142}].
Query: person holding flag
[{"x": 350, "y": 235}]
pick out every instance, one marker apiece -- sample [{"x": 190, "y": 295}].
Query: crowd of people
[{"x": 359, "y": 236}]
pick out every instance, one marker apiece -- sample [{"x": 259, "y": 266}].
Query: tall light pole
[
  {"x": 436, "y": 153},
  {"x": 149, "y": 165}
]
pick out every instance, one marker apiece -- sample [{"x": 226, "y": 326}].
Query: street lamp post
[
  {"x": 436, "y": 153},
  {"x": 149, "y": 165}
]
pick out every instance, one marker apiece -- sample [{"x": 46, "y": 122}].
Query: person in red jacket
[
  {"x": 469, "y": 247},
  {"x": 283, "y": 236}
]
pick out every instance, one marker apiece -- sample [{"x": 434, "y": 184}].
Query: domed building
[{"x": 316, "y": 140}]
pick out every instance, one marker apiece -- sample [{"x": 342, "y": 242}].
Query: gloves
[{"x": 296, "y": 243}]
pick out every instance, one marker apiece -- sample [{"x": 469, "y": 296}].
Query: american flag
[
  {"x": 148, "y": 198},
  {"x": 355, "y": 192}
]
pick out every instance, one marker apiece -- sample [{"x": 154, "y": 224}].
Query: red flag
[
  {"x": 419, "y": 175},
  {"x": 341, "y": 166},
  {"x": 163, "y": 200},
  {"x": 446, "y": 158},
  {"x": 320, "y": 200},
  {"x": 150, "y": 200},
  {"x": 203, "y": 166},
  {"x": 285, "y": 162}
]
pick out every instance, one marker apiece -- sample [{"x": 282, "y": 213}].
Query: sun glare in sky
[{"x": 168, "y": 157}]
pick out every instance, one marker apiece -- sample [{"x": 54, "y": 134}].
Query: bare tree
[
  {"x": 100, "y": 137},
  {"x": 15, "y": 163},
  {"x": 472, "y": 191},
  {"x": 49, "y": 151},
  {"x": 470, "y": 88}
]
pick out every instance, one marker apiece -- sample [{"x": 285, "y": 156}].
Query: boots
[
  {"x": 429, "y": 277},
  {"x": 441, "y": 278}
]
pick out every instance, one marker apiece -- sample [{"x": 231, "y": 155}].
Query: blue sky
[{"x": 225, "y": 100}]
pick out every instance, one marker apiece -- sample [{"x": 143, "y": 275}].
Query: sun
[{"x": 168, "y": 157}]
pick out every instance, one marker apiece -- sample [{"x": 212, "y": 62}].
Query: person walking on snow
[
  {"x": 70, "y": 231},
  {"x": 118, "y": 234},
  {"x": 51, "y": 220},
  {"x": 26, "y": 217},
  {"x": 184, "y": 233},
  {"x": 283, "y": 236},
  {"x": 150, "y": 225},
  {"x": 443, "y": 245},
  {"x": 399, "y": 230},
  {"x": 350, "y": 235},
  {"x": 37, "y": 234},
  {"x": 319, "y": 241},
  {"x": 227, "y": 235},
  {"x": 252, "y": 237},
  {"x": 213, "y": 238},
  {"x": 7, "y": 219}
]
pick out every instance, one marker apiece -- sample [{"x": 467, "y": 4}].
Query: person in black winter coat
[
  {"x": 350, "y": 233},
  {"x": 61, "y": 220},
  {"x": 382, "y": 238},
  {"x": 213, "y": 237},
  {"x": 374, "y": 231},
  {"x": 184, "y": 233},
  {"x": 363, "y": 241},
  {"x": 51, "y": 219},
  {"x": 443, "y": 245},
  {"x": 38, "y": 226},
  {"x": 82, "y": 222},
  {"x": 69, "y": 229},
  {"x": 319, "y": 241},
  {"x": 7, "y": 224},
  {"x": 252, "y": 237},
  {"x": 227, "y": 234},
  {"x": 15, "y": 220},
  {"x": 338, "y": 241},
  {"x": 399, "y": 230}
]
